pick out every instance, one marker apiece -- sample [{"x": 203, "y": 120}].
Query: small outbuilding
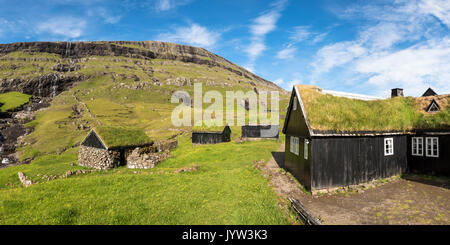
[
  {"x": 108, "y": 147},
  {"x": 205, "y": 135},
  {"x": 260, "y": 131}
]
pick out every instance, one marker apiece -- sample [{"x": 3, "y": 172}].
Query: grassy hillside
[
  {"x": 12, "y": 100},
  {"x": 134, "y": 93},
  {"x": 226, "y": 189}
]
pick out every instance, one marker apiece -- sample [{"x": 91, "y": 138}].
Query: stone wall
[
  {"x": 138, "y": 159},
  {"x": 98, "y": 158},
  {"x": 165, "y": 145}
]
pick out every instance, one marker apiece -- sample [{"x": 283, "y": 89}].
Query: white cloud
[
  {"x": 319, "y": 38},
  {"x": 286, "y": 53},
  {"x": 193, "y": 34},
  {"x": 260, "y": 27},
  {"x": 67, "y": 27},
  {"x": 300, "y": 33},
  {"x": 439, "y": 8},
  {"x": 415, "y": 68},
  {"x": 256, "y": 48},
  {"x": 264, "y": 23},
  {"x": 337, "y": 54},
  {"x": 165, "y": 5},
  {"x": 279, "y": 81},
  {"x": 108, "y": 17},
  {"x": 401, "y": 45}
]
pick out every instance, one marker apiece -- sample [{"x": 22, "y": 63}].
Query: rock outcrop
[
  {"x": 48, "y": 85},
  {"x": 24, "y": 179},
  {"x": 138, "y": 159},
  {"x": 144, "y": 50}
]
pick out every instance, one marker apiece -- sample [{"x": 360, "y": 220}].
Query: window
[
  {"x": 417, "y": 146},
  {"x": 388, "y": 146},
  {"x": 432, "y": 149},
  {"x": 295, "y": 104},
  {"x": 294, "y": 146},
  {"x": 433, "y": 107},
  {"x": 305, "y": 149}
]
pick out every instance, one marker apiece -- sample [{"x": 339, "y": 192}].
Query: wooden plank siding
[
  {"x": 297, "y": 165},
  {"x": 431, "y": 165},
  {"x": 343, "y": 161}
]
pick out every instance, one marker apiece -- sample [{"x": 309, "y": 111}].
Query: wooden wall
[
  {"x": 254, "y": 131},
  {"x": 297, "y": 165},
  {"x": 431, "y": 165},
  {"x": 342, "y": 161}
]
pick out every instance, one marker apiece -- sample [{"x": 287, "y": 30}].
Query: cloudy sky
[{"x": 364, "y": 47}]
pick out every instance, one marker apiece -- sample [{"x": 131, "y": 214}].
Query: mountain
[
  {"x": 79, "y": 85},
  {"x": 71, "y": 56}
]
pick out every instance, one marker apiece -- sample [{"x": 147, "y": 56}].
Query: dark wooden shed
[
  {"x": 325, "y": 150},
  {"x": 260, "y": 131},
  {"x": 211, "y": 137}
]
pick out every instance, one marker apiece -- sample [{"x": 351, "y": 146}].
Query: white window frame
[
  {"x": 418, "y": 143},
  {"x": 294, "y": 106},
  {"x": 388, "y": 151},
  {"x": 294, "y": 145},
  {"x": 429, "y": 142},
  {"x": 305, "y": 149}
]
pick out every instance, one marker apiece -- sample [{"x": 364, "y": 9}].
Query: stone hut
[{"x": 110, "y": 147}]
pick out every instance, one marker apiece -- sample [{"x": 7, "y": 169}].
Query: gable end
[
  {"x": 93, "y": 140},
  {"x": 429, "y": 92},
  {"x": 433, "y": 107}
]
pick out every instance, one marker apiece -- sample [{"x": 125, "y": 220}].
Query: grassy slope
[
  {"x": 12, "y": 100},
  {"x": 225, "y": 190},
  {"x": 327, "y": 112}
]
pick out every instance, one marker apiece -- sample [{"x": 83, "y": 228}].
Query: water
[
  {"x": 54, "y": 86},
  {"x": 5, "y": 161}
]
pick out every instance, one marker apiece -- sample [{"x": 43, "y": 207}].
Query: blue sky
[{"x": 363, "y": 47}]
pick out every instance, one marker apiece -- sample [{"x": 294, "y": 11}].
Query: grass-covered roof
[
  {"x": 326, "y": 112},
  {"x": 122, "y": 136},
  {"x": 12, "y": 100}
]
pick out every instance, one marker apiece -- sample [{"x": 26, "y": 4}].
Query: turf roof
[
  {"x": 121, "y": 137},
  {"x": 326, "y": 112}
]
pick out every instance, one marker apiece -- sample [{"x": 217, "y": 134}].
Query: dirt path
[{"x": 403, "y": 201}]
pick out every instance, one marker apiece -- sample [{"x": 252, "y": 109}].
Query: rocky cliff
[{"x": 143, "y": 50}]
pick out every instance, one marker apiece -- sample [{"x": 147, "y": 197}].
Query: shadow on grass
[{"x": 438, "y": 181}]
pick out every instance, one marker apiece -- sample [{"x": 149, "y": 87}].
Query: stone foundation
[
  {"x": 98, "y": 158},
  {"x": 137, "y": 159},
  {"x": 165, "y": 145}
]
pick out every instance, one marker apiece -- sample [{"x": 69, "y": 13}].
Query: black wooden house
[{"x": 329, "y": 143}]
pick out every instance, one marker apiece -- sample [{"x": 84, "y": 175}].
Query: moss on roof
[
  {"x": 121, "y": 136},
  {"x": 12, "y": 100},
  {"x": 327, "y": 112}
]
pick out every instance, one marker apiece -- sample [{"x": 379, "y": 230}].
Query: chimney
[{"x": 395, "y": 92}]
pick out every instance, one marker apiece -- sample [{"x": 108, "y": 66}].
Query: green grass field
[
  {"x": 12, "y": 100},
  {"x": 226, "y": 189}
]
